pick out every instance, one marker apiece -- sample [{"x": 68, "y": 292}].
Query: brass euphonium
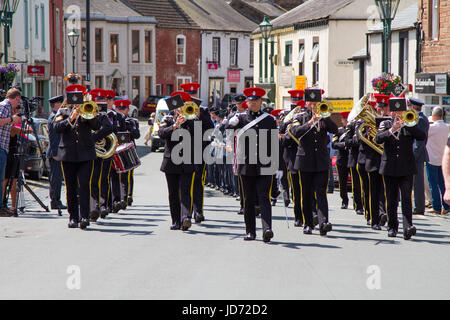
[
  {"x": 106, "y": 147},
  {"x": 369, "y": 116}
]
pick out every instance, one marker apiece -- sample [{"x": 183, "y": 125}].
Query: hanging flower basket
[
  {"x": 386, "y": 83},
  {"x": 9, "y": 72},
  {"x": 73, "y": 78}
]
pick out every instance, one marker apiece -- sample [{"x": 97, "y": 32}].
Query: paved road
[{"x": 134, "y": 255}]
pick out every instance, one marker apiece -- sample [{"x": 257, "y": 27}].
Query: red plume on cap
[
  {"x": 122, "y": 103},
  {"x": 76, "y": 88},
  {"x": 185, "y": 96}
]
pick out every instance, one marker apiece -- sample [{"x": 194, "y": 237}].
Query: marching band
[{"x": 93, "y": 141}]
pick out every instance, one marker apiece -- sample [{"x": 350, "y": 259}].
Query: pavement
[{"x": 134, "y": 254}]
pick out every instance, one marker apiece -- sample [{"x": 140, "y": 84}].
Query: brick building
[
  {"x": 178, "y": 44},
  {"x": 433, "y": 77}
]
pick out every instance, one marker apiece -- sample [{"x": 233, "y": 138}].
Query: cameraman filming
[{"x": 13, "y": 98}]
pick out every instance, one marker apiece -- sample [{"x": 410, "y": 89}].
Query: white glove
[
  {"x": 279, "y": 174},
  {"x": 234, "y": 121}
]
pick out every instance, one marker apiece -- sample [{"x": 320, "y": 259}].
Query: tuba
[
  {"x": 190, "y": 110},
  {"x": 106, "y": 147},
  {"x": 367, "y": 114}
]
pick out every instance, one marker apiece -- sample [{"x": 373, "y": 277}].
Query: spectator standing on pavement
[
  {"x": 446, "y": 171},
  {"x": 437, "y": 139},
  {"x": 148, "y": 134},
  {"x": 12, "y": 100}
]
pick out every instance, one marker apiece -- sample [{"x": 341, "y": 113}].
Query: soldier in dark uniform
[
  {"x": 117, "y": 187},
  {"x": 200, "y": 168},
  {"x": 132, "y": 127},
  {"x": 99, "y": 96},
  {"x": 312, "y": 160},
  {"x": 338, "y": 143},
  {"x": 256, "y": 178},
  {"x": 180, "y": 177},
  {"x": 398, "y": 168},
  {"x": 290, "y": 147},
  {"x": 77, "y": 152},
  {"x": 369, "y": 165},
  {"x": 352, "y": 143},
  {"x": 55, "y": 175}
]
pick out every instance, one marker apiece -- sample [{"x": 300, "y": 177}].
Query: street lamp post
[
  {"x": 387, "y": 10},
  {"x": 266, "y": 28},
  {"x": 73, "y": 40},
  {"x": 7, "y": 10}
]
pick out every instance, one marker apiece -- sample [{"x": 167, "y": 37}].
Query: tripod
[{"x": 20, "y": 157}]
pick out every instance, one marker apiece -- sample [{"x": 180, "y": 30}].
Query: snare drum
[{"x": 125, "y": 158}]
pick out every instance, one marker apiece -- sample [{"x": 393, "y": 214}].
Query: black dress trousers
[
  {"x": 56, "y": 177},
  {"x": 257, "y": 190},
  {"x": 343, "y": 178},
  {"x": 392, "y": 185},
  {"x": 180, "y": 195},
  {"x": 77, "y": 174},
  {"x": 318, "y": 182}
]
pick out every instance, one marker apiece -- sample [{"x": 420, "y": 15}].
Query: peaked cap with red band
[
  {"x": 190, "y": 88},
  {"x": 296, "y": 94},
  {"x": 184, "y": 95},
  {"x": 381, "y": 98},
  {"x": 76, "y": 88},
  {"x": 110, "y": 93},
  {"x": 122, "y": 103},
  {"x": 254, "y": 93},
  {"x": 97, "y": 94}
]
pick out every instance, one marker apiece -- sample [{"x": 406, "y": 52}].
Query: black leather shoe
[
  {"x": 130, "y": 201},
  {"x": 344, "y": 205},
  {"x": 73, "y": 224},
  {"x": 409, "y": 233},
  {"x": 359, "y": 212},
  {"x": 315, "y": 220},
  {"x": 287, "y": 202},
  {"x": 325, "y": 228},
  {"x": 198, "y": 217},
  {"x": 54, "y": 206},
  {"x": 274, "y": 202},
  {"x": 376, "y": 227},
  {"x": 93, "y": 215},
  {"x": 116, "y": 207},
  {"x": 175, "y": 226},
  {"x": 250, "y": 237},
  {"x": 241, "y": 211},
  {"x": 61, "y": 206},
  {"x": 392, "y": 233},
  {"x": 383, "y": 219},
  {"x": 186, "y": 224},
  {"x": 123, "y": 204},
  {"x": 84, "y": 223},
  {"x": 298, "y": 223},
  {"x": 268, "y": 234},
  {"x": 307, "y": 230},
  {"x": 103, "y": 212}
]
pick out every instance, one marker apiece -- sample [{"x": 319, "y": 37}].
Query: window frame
[
  {"x": 98, "y": 45},
  {"x": 111, "y": 50},
  {"x": 234, "y": 55},
  {"x": 148, "y": 46},
  {"x": 133, "y": 43},
  {"x": 216, "y": 54},
  {"x": 183, "y": 54}
]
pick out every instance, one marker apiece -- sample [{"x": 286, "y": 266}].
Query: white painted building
[
  {"x": 226, "y": 65},
  {"x": 30, "y": 46},
  {"x": 122, "y": 49},
  {"x": 403, "y": 54},
  {"x": 314, "y": 40}
]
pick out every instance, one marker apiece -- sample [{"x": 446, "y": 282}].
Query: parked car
[
  {"x": 133, "y": 111},
  {"x": 33, "y": 162},
  {"x": 149, "y": 105}
]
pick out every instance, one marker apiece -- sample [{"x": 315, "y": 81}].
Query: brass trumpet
[
  {"x": 410, "y": 118},
  {"x": 324, "y": 109},
  {"x": 190, "y": 110},
  {"x": 88, "y": 110}
]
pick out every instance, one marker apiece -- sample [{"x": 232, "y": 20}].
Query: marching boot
[
  {"x": 411, "y": 231},
  {"x": 325, "y": 228},
  {"x": 186, "y": 224},
  {"x": 94, "y": 214},
  {"x": 250, "y": 237},
  {"x": 84, "y": 223},
  {"x": 73, "y": 224},
  {"x": 268, "y": 234}
]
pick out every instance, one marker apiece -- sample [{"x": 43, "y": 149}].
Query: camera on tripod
[{"x": 29, "y": 105}]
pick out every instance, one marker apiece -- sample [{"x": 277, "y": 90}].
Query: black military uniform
[
  {"x": 256, "y": 178},
  {"x": 132, "y": 127},
  {"x": 55, "y": 174},
  {"x": 290, "y": 148},
  {"x": 398, "y": 168},
  {"x": 338, "y": 143},
  {"x": 77, "y": 152},
  {"x": 352, "y": 142},
  {"x": 312, "y": 160}
]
